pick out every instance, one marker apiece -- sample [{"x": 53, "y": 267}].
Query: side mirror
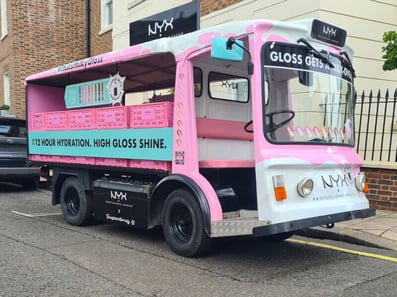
[
  {"x": 230, "y": 49},
  {"x": 223, "y": 49},
  {"x": 306, "y": 78}
]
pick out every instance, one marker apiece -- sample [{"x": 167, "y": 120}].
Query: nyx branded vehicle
[{"x": 244, "y": 128}]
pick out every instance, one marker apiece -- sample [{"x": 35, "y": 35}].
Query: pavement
[{"x": 378, "y": 231}]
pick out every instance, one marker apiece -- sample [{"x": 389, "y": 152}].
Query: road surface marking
[
  {"x": 331, "y": 247},
  {"x": 34, "y": 215}
]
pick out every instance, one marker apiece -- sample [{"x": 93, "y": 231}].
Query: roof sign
[
  {"x": 173, "y": 22},
  {"x": 328, "y": 33}
]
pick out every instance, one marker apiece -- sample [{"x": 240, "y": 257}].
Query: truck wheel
[
  {"x": 76, "y": 204},
  {"x": 183, "y": 225}
]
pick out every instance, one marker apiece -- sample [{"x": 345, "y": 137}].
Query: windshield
[{"x": 306, "y": 99}]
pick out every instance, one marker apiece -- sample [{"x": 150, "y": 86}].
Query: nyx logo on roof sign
[
  {"x": 160, "y": 27},
  {"x": 173, "y": 22},
  {"x": 328, "y": 33}
]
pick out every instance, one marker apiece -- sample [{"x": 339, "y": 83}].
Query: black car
[{"x": 14, "y": 165}]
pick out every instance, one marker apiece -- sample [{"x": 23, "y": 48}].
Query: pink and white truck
[{"x": 244, "y": 128}]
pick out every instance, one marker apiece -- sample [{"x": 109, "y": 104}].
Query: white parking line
[{"x": 34, "y": 215}]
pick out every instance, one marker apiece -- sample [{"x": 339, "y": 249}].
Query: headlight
[
  {"x": 305, "y": 187},
  {"x": 361, "y": 185}
]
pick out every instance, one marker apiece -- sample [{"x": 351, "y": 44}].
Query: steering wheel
[
  {"x": 246, "y": 127},
  {"x": 272, "y": 126}
]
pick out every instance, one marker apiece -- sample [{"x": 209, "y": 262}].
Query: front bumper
[{"x": 312, "y": 222}]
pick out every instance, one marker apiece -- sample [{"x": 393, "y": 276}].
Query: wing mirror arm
[{"x": 229, "y": 45}]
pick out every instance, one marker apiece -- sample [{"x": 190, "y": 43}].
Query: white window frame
[
  {"x": 4, "y": 20},
  {"x": 7, "y": 89},
  {"x": 106, "y": 15}
]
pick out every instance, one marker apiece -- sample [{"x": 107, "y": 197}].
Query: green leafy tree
[{"x": 390, "y": 50}]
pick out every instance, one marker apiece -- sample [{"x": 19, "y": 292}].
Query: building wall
[
  {"x": 101, "y": 41},
  {"x": 382, "y": 188},
  {"x": 6, "y": 59},
  {"x": 208, "y": 6},
  {"x": 364, "y": 20},
  {"x": 45, "y": 34},
  {"x": 41, "y": 35}
]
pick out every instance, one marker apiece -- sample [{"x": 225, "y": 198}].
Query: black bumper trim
[
  {"x": 22, "y": 172},
  {"x": 313, "y": 222}
]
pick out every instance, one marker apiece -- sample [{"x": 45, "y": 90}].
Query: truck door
[{"x": 222, "y": 111}]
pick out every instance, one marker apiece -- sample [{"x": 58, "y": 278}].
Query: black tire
[
  {"x": 76, "y": 204},
  {"x": 183, "y": 225}
]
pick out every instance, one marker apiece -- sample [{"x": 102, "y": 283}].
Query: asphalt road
[{"x": 40, "y": 255}]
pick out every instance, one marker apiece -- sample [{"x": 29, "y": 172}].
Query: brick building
[
  {"x": 37, "y": 35},
  {"x": 208, "y": 6}
]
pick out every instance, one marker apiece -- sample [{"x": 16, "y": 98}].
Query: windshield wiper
[
  {"x": 315, "y": 52},
  {"x": 349, "y": 63}
]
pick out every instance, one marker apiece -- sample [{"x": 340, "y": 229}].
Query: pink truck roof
[{"x": 182, "y": 45}]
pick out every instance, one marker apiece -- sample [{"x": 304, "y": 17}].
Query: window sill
[
  {"x": 106, "y": 29},
  {"x": 3, "y": 37}
]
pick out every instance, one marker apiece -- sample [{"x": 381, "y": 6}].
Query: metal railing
[{"x": 376, "y": 126}]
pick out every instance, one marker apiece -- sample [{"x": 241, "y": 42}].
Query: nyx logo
[
  {"x": 229, "y": 85},
  {"x": 159, "y": 28},
  {"x": 329, "y": 31},
  {"x": 338, "y": 181},
  {"x": 118, "y": 195}
]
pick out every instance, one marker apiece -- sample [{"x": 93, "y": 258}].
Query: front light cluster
[
  {"x": 361, "y": 184},
  {"x": 305, "y": 187}
]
